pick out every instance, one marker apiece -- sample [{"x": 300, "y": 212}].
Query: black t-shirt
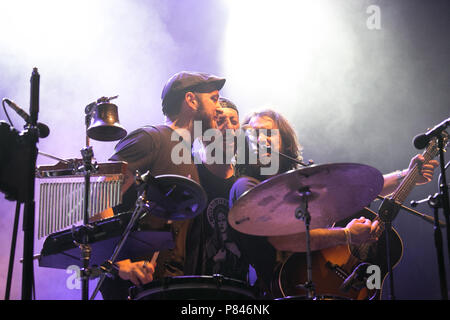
[
  {"x": 256, "y": 249},
  {"x": 211, "y": 244},
  {"x": 150, "y": 148}
]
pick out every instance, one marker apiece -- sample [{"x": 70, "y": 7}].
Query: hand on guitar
[
  {"x": 361, "y": 230},
  {"x": 426, "y": 169}
]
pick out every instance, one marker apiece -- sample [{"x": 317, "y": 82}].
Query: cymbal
[
  {"x": 336, "y": 191},
  {"x": 175, "y": 197}
]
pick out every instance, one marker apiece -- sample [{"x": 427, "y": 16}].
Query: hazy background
[{"x": 354, "y": 94}]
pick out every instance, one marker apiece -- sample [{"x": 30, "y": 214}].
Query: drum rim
[
  {"x": 317, "y": 297},
  {"x": 160, "y": 287}
]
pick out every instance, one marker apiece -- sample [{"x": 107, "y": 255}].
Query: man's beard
[{"x": 207, "y": 120}]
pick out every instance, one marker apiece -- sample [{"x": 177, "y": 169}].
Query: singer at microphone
[{"x": 43, "y": 129}]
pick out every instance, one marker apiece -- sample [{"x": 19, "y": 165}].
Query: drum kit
[
  {"x": 289, "y": 203},
  {"x": 294, "y": 202}
]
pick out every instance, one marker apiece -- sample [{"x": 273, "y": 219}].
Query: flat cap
[{"x": 185, "y": 81}]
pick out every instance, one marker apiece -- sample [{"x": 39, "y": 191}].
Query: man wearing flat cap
[
  {"x": 211, "y": 246},
  {"x": 186, "y": 97}
]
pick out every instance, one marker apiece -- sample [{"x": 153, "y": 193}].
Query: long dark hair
[{"x": 289, "y": 144}]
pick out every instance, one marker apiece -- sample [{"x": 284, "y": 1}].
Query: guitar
[{"x": 331, "y": 266}]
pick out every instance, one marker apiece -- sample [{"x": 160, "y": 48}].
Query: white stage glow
[{"x": 289, "y": 55}]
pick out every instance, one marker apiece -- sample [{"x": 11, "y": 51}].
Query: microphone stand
[
  {"x": 387, "y": 212},
  {"x": 436, "y": 202},
  {"x": 440, "y": 200},
  {"x": 310, "y": 162},
  {"x": 443, "y": 188},
  {"x": 425, "y": 217},
  {"x": 32, "y": 138}
]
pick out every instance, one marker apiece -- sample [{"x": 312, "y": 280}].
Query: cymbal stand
[
  {"x": 302, "y": 213},
  {"x": 143, "y": 206}
]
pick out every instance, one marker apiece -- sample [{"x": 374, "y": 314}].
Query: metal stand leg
[
  {"x": 137, "y": 214},
  {"x": 302, "y": 213},
  {"x": 13, "y": 251}
]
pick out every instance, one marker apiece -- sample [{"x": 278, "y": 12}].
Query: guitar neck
[
  {"x": 409, "y": 182},
  {"x": 403, "y": 190}
]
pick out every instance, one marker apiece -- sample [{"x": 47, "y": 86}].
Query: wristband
[
  {"x": 399, "y": 174},
  {"x": 348, "y": 236}
]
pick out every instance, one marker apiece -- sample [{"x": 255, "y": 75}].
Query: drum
[{"x": 214, "y": 287}]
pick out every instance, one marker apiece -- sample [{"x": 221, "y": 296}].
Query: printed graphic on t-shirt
[{"x": 219, "y": 247}]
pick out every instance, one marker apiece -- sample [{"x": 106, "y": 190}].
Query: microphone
[
  {"x": 421, "y": 140},
  {"x": 254, "y": 147},
  {"x": 34, "y": 96},
  {"x": 43, "y": 129}
]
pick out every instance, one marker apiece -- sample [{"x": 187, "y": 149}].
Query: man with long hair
[{"x": 282, "y": 138}]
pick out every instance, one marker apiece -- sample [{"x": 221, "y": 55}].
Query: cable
[{"x": 6, "y": 112}]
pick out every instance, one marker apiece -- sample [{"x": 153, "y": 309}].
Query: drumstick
[{"x": 155, "y": 256}]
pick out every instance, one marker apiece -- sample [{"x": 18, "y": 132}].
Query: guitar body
[{"x": 331, "y": 266}]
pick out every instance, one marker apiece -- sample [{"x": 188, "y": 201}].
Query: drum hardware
[
  {"x": 84, "y": 246},
  {"x": 318, "y": 297},
  {"x": 171, "y": 197},
  {"x": 53, "y": 157},
  {"x": 102, "y": 121},
  {"x": 61, "y": 189},
  {"x": 335, "y": 192},
  {"x": 302, "y": 213},
  {"x": 215, "y": 287},
  {"x": 319, "y": 195},
  {"x": 104, "y": 127},
  {"x": 61, "y": 249}
]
